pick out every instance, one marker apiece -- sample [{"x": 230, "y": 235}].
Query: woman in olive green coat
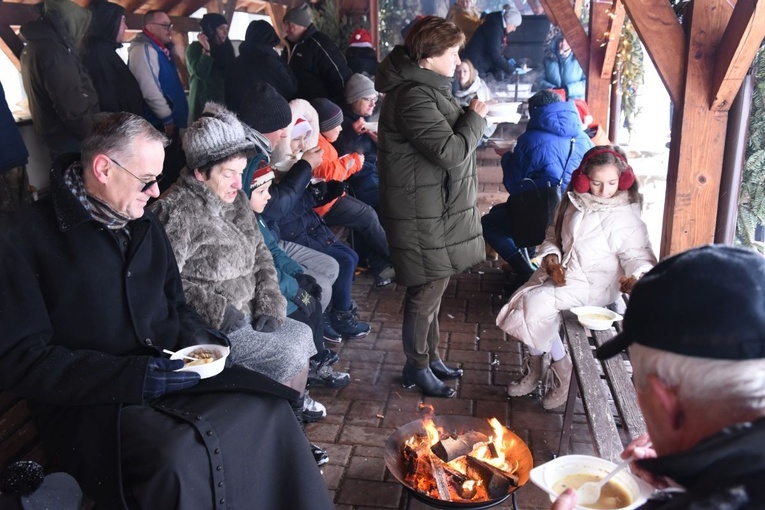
[
  {"x": 428, "y": 187},
  {"x": 207, "y": 59}
]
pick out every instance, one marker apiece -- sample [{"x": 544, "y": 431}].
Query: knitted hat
[
  {"x": 543, "y": 98},
  {"x": 301, "y": 127},
  {"x": 210, "y": 22},
  {"x": 511, "y": 15},
  {"x": 358, "y": 86},
  {"x": 264, "y": 109},
  {"x": 360, "y": 38},
  {"x": 215, "y": 136},
  {"x": 257, "y": 172},
  {"x": 300, "y": 15},
  {"x": 330, "y": 115}
]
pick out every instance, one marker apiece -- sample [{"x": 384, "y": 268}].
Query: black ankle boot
[
  {"x": 523, "y": 271},
  {"x": 443, "y": 372},
  {"x": 426, "y": 382}
]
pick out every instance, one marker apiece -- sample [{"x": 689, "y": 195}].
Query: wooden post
[{"x": 598, "y": 88}]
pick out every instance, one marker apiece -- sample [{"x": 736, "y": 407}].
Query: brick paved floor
[{"x": 362, "y": 415}]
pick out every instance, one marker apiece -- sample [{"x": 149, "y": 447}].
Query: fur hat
[
  {"x": 215, "y": 136},
  {"x": 264, "y": 109},
  {"x": 301, "y": 127},
  {"x": 358, "y": 86},
  {"x": 300, "y": 15},
  {"x": 360, "y": 38},
  {"x": 511, "y": 15},
  {"x": 330, "y": 115}
]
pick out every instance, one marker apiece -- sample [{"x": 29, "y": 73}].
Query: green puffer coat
[{"x": 427, "y": 166}]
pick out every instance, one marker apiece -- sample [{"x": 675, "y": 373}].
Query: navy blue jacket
[
  {"x": 13, "y": 152},
  {"x": 485, "y": 48},
  {"x": 541, "y": 151}
]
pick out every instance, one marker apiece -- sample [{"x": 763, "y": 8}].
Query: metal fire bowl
[{"x": 394, "y": 456}]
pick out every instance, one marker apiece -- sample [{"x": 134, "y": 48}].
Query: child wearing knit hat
[{"x": 345, "y": 210}]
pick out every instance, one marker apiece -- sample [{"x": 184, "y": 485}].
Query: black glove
[
  {"x": 161, "y": 378},
  {"x": 317, "y": 191},
  {"x": 309, "y": 284},
  {"x": 334, "y": 190},
  {"x": 305, "y": 302},
  {"x": 231, "y": 319},
  {"x": 265, "y": 324}
]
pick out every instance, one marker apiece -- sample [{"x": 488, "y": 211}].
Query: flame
[{"x": 433, "y": 433}]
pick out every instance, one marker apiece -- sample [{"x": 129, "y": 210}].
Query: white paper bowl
[
  {"x": 548, "y": 474},
  {"x": 586, "y": 314},
  {"x": 208, "y": 369},
  {"x": 371, "y": 126}
]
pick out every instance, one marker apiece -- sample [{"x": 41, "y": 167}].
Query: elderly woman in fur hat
[{"x": 227, "y": 270}]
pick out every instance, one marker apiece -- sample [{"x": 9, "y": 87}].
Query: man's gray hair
[
  {"x": 736, "y": 388},
  {"x": 113, "y": 134}
]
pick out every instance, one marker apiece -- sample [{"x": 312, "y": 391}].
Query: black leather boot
[
  {"x": 426, "y": 382},
  {"x": 522, "y": 269},
  {"x": 443, "y": 372}
]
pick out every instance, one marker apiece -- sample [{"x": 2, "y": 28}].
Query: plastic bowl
[
  {"x": 548, "y": 474},
  {"x": 595, "y": 317},
  {"x": 208, "y": 369}
]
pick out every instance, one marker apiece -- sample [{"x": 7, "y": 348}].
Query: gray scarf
[{"x": 100, "y": 211}]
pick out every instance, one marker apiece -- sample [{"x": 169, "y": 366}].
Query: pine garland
[{"x": 630, "y": 69}]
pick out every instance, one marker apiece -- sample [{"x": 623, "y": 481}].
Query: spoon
[
  {"x": 589, "y": 492},
  {"x": 168, "y": 351}
]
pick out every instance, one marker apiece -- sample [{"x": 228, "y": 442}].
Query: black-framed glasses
[
  {"x": 166, "y": 26},
  {"x": 146, "y": 184}
]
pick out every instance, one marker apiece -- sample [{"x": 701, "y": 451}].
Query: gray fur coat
[{"x": 220, "y": 252}]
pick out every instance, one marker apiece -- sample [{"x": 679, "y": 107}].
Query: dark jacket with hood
[
  {"x": 13, "y": 152},
  {"x": 485, "y": 48},
  {"x": 427, "y": 165},
  {"x": 362, "y": 60},
  {"x": 319, "y": 66},
  {"x": 117, "y": 88},
  {"x": 62, "y": 99},
  {"x": 541, "y": 152},
  {"x": 723, "y": 472},
  {"x": 86, "y": 316},
  {"x": 258, "y": 62}
]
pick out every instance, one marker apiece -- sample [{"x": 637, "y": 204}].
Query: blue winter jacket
[
  {"x": 542, "y": 150},
  {"x": 564, "y": 73}
]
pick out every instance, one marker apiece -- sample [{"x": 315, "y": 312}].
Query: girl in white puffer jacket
[{"x": 597, "y": 247}]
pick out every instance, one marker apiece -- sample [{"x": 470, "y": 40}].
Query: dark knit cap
[
  {"x": 210, "y": 22},
  {"x": 330, "y": 115},
  {"x": 300, "y": 15},
  {"x": 543, "y": 98},
  {"x": 264, "y": 109},
  {"x": 215, "y": 136},
  {"x": 261, "y": 32}
]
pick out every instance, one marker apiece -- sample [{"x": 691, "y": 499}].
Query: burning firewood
[
  {"x": 496, "y": 481},
  {"x": 453, "y": 447},
  {"x": 440, "y": 478}
]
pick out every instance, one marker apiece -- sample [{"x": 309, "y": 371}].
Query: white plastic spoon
[
  {"x": 168, "y": 351},
  {"x": 589, "y": 492}
]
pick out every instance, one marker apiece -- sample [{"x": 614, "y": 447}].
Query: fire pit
[{"x": 457, "y": 461}]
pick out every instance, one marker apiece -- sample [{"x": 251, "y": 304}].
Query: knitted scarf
[{"x": 99, "y": 210}]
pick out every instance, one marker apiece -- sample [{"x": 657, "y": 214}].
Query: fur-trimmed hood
[
  {"x": 220, "y": 252},
  {"x": 300, "y": 108}
]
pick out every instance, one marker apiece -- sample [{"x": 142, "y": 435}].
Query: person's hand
[
  {"x": 161, "y": 378},
  {"x": 555, "y": 270},
  {"x": 642, "y": 448},
  {"x": 204, "y": 41},
  {"x": 360, "y": 126},
  {"x": 170, "y": 130},
  {"x": 231, "y": 318},
  {"x": 313, "y": 157},
  {"x": 566, "y": 500},
  {"x": 626, "y": 284},
  {"x": 309, "y": 284},
  {"x": 372, "y": 135},
  {"x": 334, "y": 190},
  {"x": 479, "y": 107},
  {"x": 305, "y": 302},
  {"x": 265, "y": 324}
]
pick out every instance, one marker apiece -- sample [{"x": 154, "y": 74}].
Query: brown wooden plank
[
  {"x": 598, "y": 88},
  {"x": 622, "y": 389},
  {"x": 738, "y": 47},
  {"x": 617, "y": 15},
  {"x": 695, "y": 158},
  {"x": 664, "y": 40},
  {"x": 11, "y": 45},
  {"x": 20, "y": 443},
  {"x": 594, "y": 397}
]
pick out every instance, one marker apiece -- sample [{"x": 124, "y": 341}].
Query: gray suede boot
[{"x": 531, "y": 374}]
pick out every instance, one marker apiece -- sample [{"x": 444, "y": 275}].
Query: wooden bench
[
  {"x": 606, "y": 389},
  {"x": 18, "y": 436}
]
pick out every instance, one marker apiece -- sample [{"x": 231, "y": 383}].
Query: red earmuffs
[{"x": 581, "y": 182}]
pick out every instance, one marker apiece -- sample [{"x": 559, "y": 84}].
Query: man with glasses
[
  {"x": 92, "y": 297},
  {"x": 151, "y": 61}
]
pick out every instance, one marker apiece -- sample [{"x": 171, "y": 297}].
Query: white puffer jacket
[{"x": 603, "y": 240}]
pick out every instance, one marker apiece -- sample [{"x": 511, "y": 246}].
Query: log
[
  {"x": 496, "y": 481},
  {"x": 453, "y": 447},
  {"x": 440, "y": 477}
]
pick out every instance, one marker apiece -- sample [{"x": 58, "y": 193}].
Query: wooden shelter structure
[{"x": 701, "y": 61}]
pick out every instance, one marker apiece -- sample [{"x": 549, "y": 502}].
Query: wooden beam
[
  {"x": 17, "y": 14},
  {"x": 664, "y": 40},
  {"x": 598, "y": 88},
  {"x": 181, "y": 24},
  {"x": 738, "y": 48},
  {"x": 698, "y": 137},
  {"x": 11, "y": 44},
  {"x": 617, "y": 15},
  {"x": 572, "y": 29},
  {"x": 374, "y": 25},
  {"x": 230, "y": 9}
]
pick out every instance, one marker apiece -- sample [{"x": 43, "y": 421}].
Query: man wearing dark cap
[
  {"x": 695, "y": 328},
  {"x": 317, "y": 62}
]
